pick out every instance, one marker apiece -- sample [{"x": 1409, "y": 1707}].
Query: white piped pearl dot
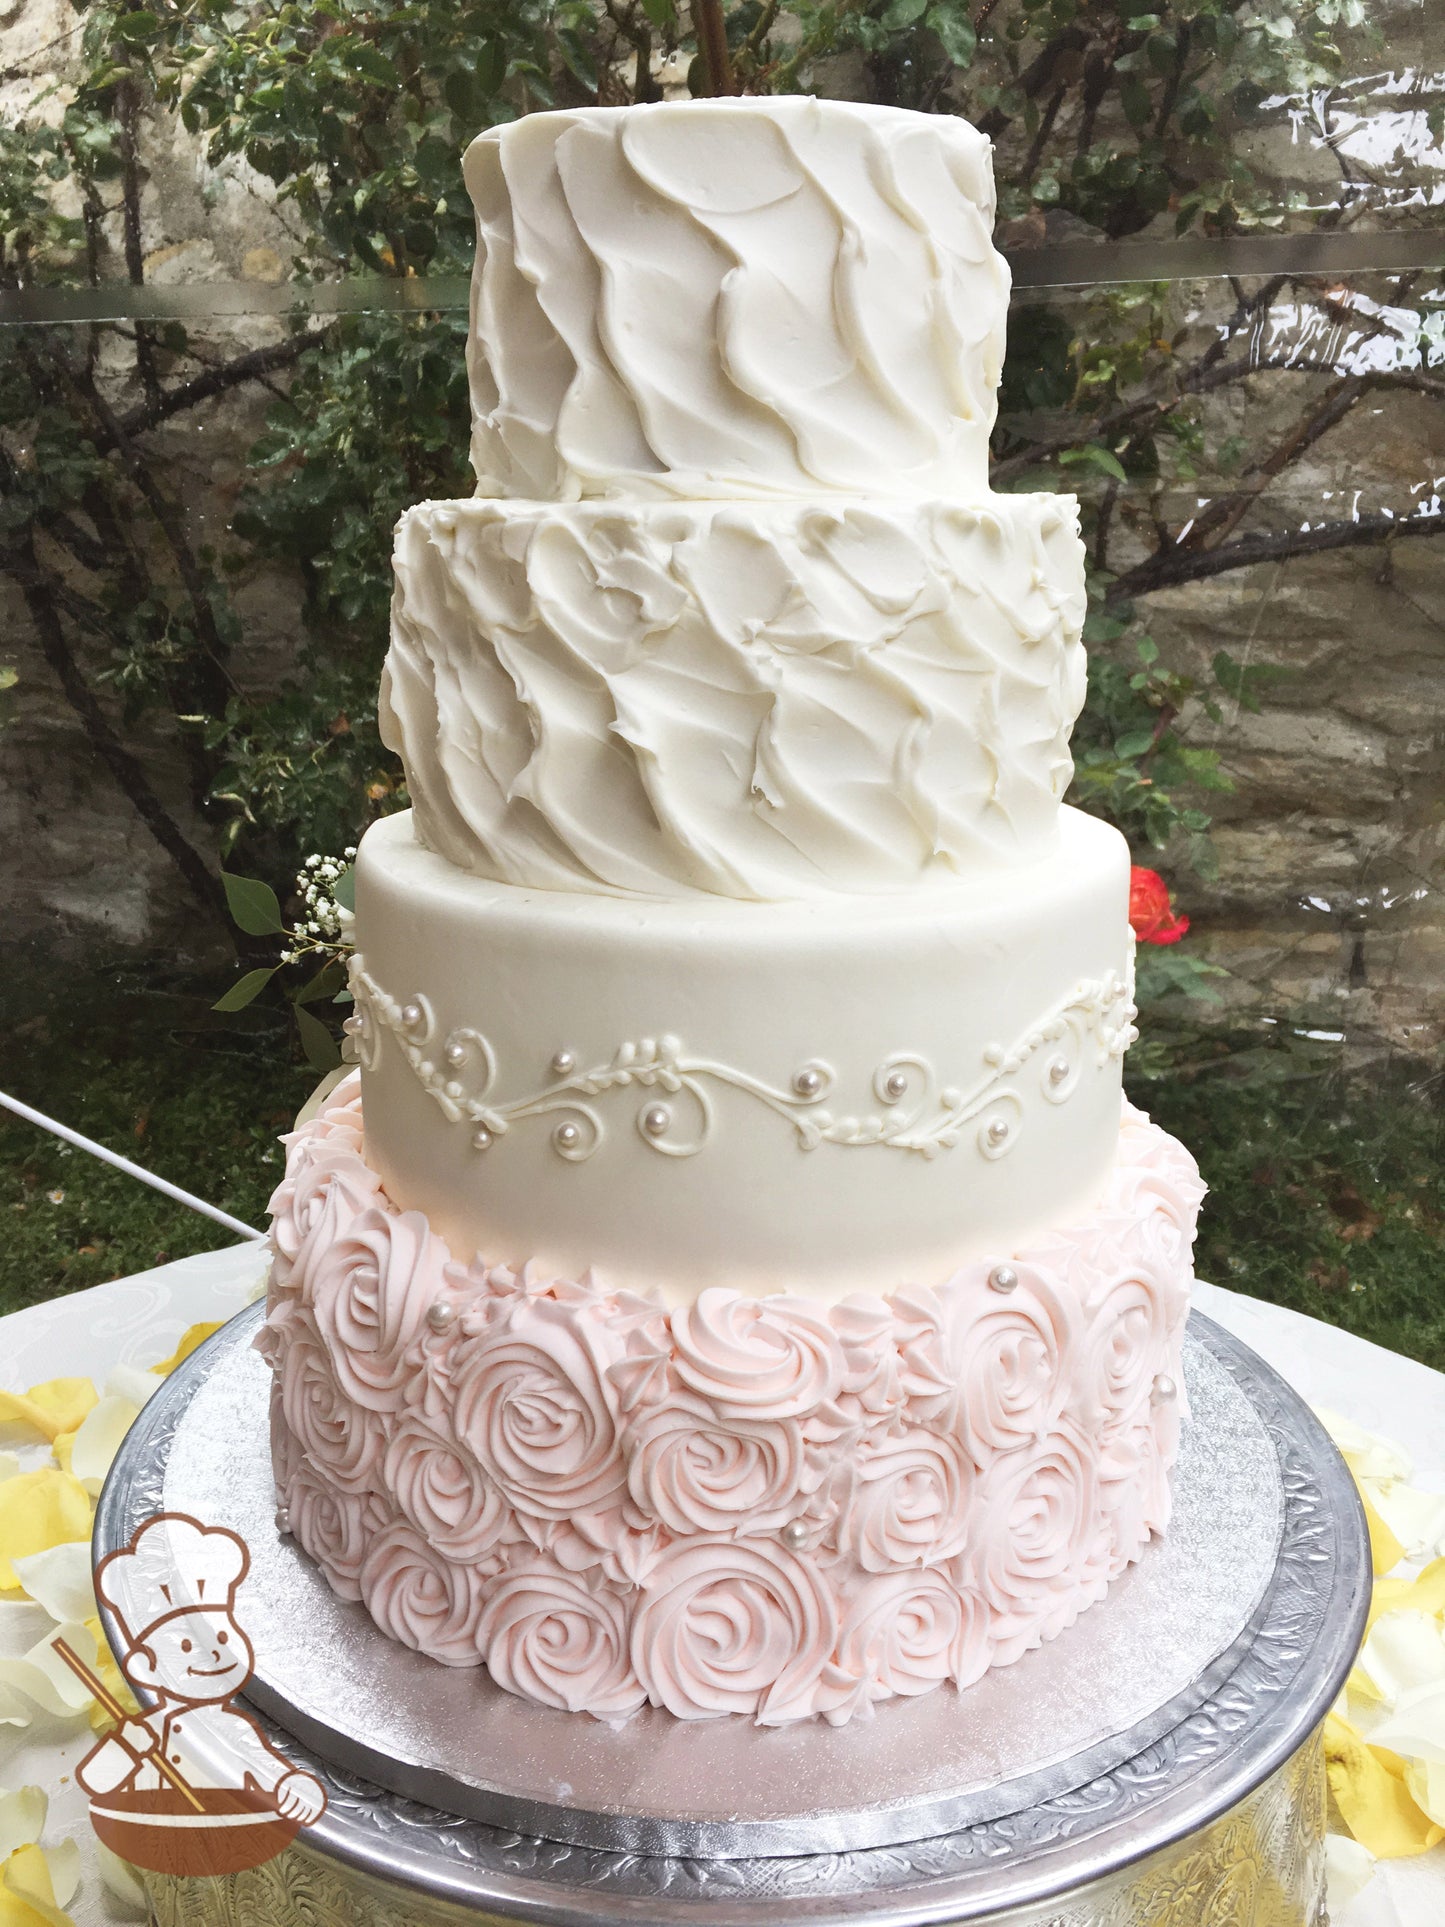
[
  {"x": 567, "y": 1137},
  {"x": 1164, "y": 1390},
  {"x": 894, "y": 1085},
  {"x": 655, "y": 1119},
  {"x": 808, "y": 1083},
  {"x": 283, "y": 1520},
  {"x": 564, "y": 1063},
  {"x": 410, "y": 1016},
  {"x": 455, "y": 1054},
  {"x": 481, "y": 1138},
  {"x": 441, "y": 1316},
  {"x": 794, "y": 1535},
  {"x": 998, "y": 1130},
  {"x": 1059, "y": 1070},
  {"x": 1003, "y": 1278}
]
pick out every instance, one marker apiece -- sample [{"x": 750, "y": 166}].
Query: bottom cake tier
[{"x": 770, "y": 1507}]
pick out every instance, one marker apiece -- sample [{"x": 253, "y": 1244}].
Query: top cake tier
[{"x": 734, "y": 298}]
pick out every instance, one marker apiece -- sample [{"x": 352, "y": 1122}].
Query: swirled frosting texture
[
  {"x": 751, "y": 700},
  {"x": 744, "y": 297},
  {"x": 766, "y": 1507}
]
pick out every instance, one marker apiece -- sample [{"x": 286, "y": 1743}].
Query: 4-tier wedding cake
[{"x": 734, "y": 1281}]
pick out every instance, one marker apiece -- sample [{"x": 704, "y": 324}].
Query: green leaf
[
  {"x": 1134, "y": 742},
  {"x": 903, "y": 13},
  {"x": 322, "y": 1053},
  {"x": 343, "y": 891},
  {"x": 1099, "y": 457},
  {"x": 661, "y": 13},
  {"x": 9, "y": 676},
  {"x": 319, "y": 985},
  {"x": 955, "y": 33},
  {"x": 252, "y": 905},
  {"x": 246, "y": 989}
]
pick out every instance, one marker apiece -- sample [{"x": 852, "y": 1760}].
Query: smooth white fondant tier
[
  {"x": 762, "y": 1507},
  {"x": 762, "y": 700},
  {"x": 740, "y": 297},
  {"x": 821, "y": 1096}
]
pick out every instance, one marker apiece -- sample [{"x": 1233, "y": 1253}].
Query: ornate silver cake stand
[{"x": 1158, "y": 1765}]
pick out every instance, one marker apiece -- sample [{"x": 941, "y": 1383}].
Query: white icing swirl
[
  {"x": 733, "y": 1626},
  {"x": 443, "y": 1491},
  {"x": 698, "y": 1472},
  {"x": 424, "y": 1601},
  {"x": 551, "y": 1637},
  {"x": 757, "y": 1358},
  {"x": 754, "y": 702},
  {"x": 739, "y": 297},
  {"x": 534, "y": 1404},
  {"x": 909, "y": 1505}
]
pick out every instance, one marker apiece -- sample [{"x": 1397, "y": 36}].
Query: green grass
[
  {"x": 1327, "y": 1189},
  {"x": 154, "y": 1075}
]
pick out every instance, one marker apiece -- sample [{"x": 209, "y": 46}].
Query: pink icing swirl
[
  {"x": 757, "y": 1358},
  {"x": 903, "y": 1633},
  {"x": 341, "y": 1439},
  {"x": 369, "y": 1291},
  {"x": 534, "y": 1403},
  {"x": 551, "y": 1637},
  {"x": 331, "y": 1526},
  {"x": 698, "y": 1472},
  {"x": 1126, "y": 1346},
  {"x": 1036, "y": 1527},
  {"x": 424, "y": 1601},
  {"x": 443, "y": 1491},
  {"x": 733, "y": 1626},
  {"x": 909, "y": 1505},
  {"x": 1012, "y": 1353}
]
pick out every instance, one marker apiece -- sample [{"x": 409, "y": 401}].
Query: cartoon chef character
[{"x": 173, "y": 1592}]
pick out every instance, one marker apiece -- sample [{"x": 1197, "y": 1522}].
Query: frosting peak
[{"x": 742, "y": 297}]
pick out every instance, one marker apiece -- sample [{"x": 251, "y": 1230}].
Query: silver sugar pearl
[
  {"x": 1059, "y": 1070},
  {"x": 655, "y": 1119},
  {"x": 410, "y": 1016},
  {"x": 1003, "y": 1278},
  {"x": 354, "y": 1025},
  {"x": 567, "y": 1137},
  {"x": 455, "y": 1054},
  {"x": 794, "y": 1535},
  {"x": 808, "y": 1083},
  {"x": 481, "y": 1138},
  {"x": 997, "y": 1130},
  {"x": 564, "y": 1063},
  {"x": 441, "y": 1316},
  {"x": 1164, "y": 1390},
  {"x": 894, "y": 1085},
  {"x": 283, "y": 1520}
]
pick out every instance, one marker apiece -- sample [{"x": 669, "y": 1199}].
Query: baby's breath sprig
[{"x": 319, "y": 938}]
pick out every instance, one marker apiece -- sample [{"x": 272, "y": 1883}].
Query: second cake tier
[{"x": 818, "y": 1097}]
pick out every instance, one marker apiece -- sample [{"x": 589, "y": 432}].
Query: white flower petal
[
  {"x": 122, "y": 1883},
  {"x": 1349, "y": 1867},
  {"x": 1404, "y": 1649},
  {"x": 43, "y": 1676},
  {"x": 59, "y": 1579},
  {"x": 63, "y": 1860},
  {"x": 1370, "y": 1456},
  {"x": 99, "y": 1437},
  {"x": 130, "y": 1382},
  {"x": 1417, "y": 1519},
  {"x": 22, "y": 1818},
  {"x": 1416, "y": 1728}
]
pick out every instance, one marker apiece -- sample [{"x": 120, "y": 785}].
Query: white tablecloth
[{"x": 138, "y": 1321}]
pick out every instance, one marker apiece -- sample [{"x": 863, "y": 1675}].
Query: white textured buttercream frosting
[
  {"x": 768, "y": 1507},
  {"x": 752, "y": 700},
  {"x": 745, "y": 297}
]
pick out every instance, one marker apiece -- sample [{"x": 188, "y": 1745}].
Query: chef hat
[{"x": 173, "y": 1564}]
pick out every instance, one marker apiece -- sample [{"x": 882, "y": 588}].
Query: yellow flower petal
[
  {"x": 98, "y": 1441},
  {"x": 110, "y": 1676},
  {"x": 1373, "y": 1799},
  {"x": 196, "y": 1335},
  {"x": 1426, "y": 1782},
  {"x": 1385, "y": 1549},
  {"x": 38, "y": 1510},
  {"x": 22, "y": 1818},
  {"x": 58, "y": 1405},
  {"x": 1423, "y": 1593},
  {"x": 27, "y": 1893}
]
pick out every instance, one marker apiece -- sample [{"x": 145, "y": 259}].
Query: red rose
[{"x": 1150, "y": 910}]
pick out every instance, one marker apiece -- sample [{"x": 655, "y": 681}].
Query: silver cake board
[{"x": 1196, "y": 1682}]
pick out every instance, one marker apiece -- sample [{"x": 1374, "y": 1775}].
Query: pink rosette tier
[{"x": 776, "y": 1507}]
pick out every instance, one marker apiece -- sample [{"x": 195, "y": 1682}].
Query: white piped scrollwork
[{"x": 917, "y": 1110}]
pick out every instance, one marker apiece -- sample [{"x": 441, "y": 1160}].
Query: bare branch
[{"x": 1168, "y": 568}]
